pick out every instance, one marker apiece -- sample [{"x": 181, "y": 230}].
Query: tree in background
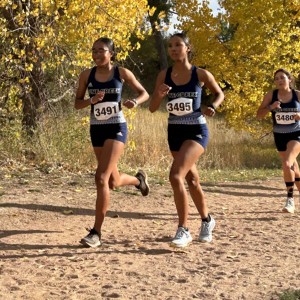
[
  {"x": 49, "y": 41},
  {"x": 151, "y": 57},
  {"x": 157, "y": 20},
  {"x": 242, "y": 47}
]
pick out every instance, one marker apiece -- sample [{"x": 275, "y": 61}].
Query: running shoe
[
  {"x": 93, "y": 239},
  {"x": 289, "y": 206},
  {"x": 206, "y": 230},
  {"x": 143, "y": 186},
  {"x": 182, "y": 238}
]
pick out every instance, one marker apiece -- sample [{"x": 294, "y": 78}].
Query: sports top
[
  {"x": 109, "y": 110},
  {"x": 184, "y": 101},
  {"x": 283, "y": 118}
]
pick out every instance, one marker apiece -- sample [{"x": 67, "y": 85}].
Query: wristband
[
  {"x": 91, "y": 101},
  {"x": 135, "y": 102}
]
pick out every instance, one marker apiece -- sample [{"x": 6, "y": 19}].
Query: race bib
[
  {"x": 180, "y": 106},
  {"x": 285, "y": 118},
  {"x": 106, "y": 110}
]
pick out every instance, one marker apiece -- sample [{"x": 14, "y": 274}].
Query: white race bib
[
  {"x": 285, "y": 118},
  {"x": 106, "y": 110},
  {"x": 180, "y": 106}
]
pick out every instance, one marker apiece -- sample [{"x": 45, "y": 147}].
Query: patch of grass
[
  {"x": 290, "y": 295},
  {"x": 62, "y": 142},
  {"x": 212, "y": 175},
  {"x": 240, "y": 175}
]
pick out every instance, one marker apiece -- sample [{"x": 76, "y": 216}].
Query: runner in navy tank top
[
  {"x": 284, "y": 105},
  {"x": 187, "y": 132},
  {"x": 108, "y": 127}
]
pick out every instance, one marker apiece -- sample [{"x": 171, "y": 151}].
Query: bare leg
[
  {"x": 107, "y": 174},
  {"x": 297, "y": 174},
  {"x": 121, "y": 179},
  {"x": 290, "y": 171},
  {"x": 193, "y": 181},
  {"x": 289, "y": 163},
  {"x": 183, "y": 161}
]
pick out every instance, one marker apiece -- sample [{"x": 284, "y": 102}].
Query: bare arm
[
  {"x": 80, "y": 102},
  {"x": 266, "y": 106},
  {"x": 298, "y": 94},
  {"x": 135, "y": 85},
  {"x": 160, "y": 91},
  {"x": 297, "y": 115},
  {"x": 209, "y": 81},
  {"x": 81, "y": 90}
]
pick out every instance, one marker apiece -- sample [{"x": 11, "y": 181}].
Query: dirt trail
[{"x": 255, "y": 252}]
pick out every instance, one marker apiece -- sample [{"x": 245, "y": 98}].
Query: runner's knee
[
  {"x": 192, "y": 181},
  {"x": 100, "y": 180},
  {"x": 287, "y": 166},
  {"x": 175, "y": 178}
]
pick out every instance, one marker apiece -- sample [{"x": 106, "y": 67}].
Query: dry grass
[
  {"x": 62, "y": 141},
  {"x": 227, "y": 149}
]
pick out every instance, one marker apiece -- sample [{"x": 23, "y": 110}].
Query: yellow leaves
[
  {"x": 130, "y": 115},
  {"x": 162, "y": 15},
  {"x": 40, "y": 43},
  {"x": 85, "y": 120},
  {"x": 76, "y": 24},
  {"x": 17, "y": 135},
  {"x": 28, "y": 67},
  {"x": 131, "y": 145},
  {"x": 151, "y": 11},
  {"x": 24, "y": 80},
  {"x": 242, "y": 48},
  {"x": 56, "y": 37}
]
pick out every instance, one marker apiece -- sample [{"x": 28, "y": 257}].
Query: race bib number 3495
[
  {"x": 285, "y": 118},
  {"x": 106, "y": 110},
  {"x": 180, "y": 106}
]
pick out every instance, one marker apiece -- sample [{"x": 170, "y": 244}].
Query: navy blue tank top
[
  {"x": 283, "y": 119},
  {"x": 113, "y": 93},
  {"x": 190, "y": 91}
]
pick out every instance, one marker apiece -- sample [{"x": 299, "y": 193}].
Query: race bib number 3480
[
  {"x": 106, "y": 110},
  {"x": 285, "y": 118},
  {"x": 180, "y": 106}
]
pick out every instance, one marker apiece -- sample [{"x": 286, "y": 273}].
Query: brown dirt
[{"x": 254, "y": 255}]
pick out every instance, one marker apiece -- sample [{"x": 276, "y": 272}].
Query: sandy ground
[{"x": 255, "y": 253}]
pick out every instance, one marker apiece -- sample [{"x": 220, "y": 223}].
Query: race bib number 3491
[
  {"x": 180, "y": 106},
  {"x": 285, "y": 118},
  {"x": 106, "y": 110}
]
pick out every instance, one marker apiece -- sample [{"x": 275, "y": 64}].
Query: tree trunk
[
  {"x": 32, "y": 99},
  {"x": 161, "y": 50}
]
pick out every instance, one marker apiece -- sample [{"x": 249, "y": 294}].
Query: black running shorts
[
  {"x": 179, "y": 133},
  {"x": 100, "y": 133},
  {"x": 282, "y": 139}
]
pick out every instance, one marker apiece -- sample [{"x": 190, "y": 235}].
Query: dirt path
[{"x": 255, "y": 252}]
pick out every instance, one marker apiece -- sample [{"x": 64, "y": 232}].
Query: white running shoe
[
  {"x": 93, "y": 239},
  {"x": 289, "y": 206},
  {"x": 206, "y": 230},
  {"x": 182, "y": 238}
]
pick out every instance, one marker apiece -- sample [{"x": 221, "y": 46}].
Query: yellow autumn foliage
[
  {"x": 49, "y": 42},
  {"x": 60, "y": 30},
  {"x": 243, "y": 46}
]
